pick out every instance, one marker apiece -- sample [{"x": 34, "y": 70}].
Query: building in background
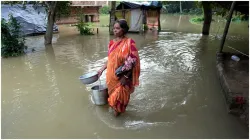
[
  {"x": 139, "y": 14},
  {"x": 90, "y": 9}
]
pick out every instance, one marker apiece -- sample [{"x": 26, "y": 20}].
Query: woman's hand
[
  {"x": 124, "y": 81},
  {"x": 100, "y": 72},
  {"x": 102, "y": 69}
]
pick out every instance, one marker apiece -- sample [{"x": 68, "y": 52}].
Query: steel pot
[{"x": 100, "y": 94}]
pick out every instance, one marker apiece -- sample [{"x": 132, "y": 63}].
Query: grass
[{"x": 104, "y": 20}]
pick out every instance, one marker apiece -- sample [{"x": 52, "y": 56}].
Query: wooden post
[
  {"x": 159, "y": 21},
  {"x": 227, "y": 26},
  {"x": 144, "y": 20},
  {"x": 112, "y": 17},
  {"x": 123, "y": 12}
]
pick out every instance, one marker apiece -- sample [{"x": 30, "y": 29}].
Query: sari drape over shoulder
[{"x": 118, "y": 53}]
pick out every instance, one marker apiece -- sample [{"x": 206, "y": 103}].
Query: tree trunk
[
  {"x": 207, "y": 17},
  {"x": 50, "y": 22},
  {"x": 180, "y": 7},
  {"x": 112, "y": 17}
]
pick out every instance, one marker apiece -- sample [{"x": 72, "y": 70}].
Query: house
[
  {"x": 90, "y": 9},
  {"x": 138, "y": 14}
]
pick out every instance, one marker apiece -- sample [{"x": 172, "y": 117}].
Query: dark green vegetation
[
  {"x": 83, "y": 27},
  {"x": 196, "y": 8},
  {"x": 55, "y": 9},
  {"x": 104, "y": 10},
  {"x": 12, "y": 40},
  {"x": 181, "y": 7},
  {"x": 197, "y": 19}
]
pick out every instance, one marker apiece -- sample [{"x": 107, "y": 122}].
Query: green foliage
[
  {"x": 188, "y": 7},
  {"x": 63, "y": 9},
  {"x": 12, "y": 41},
  {"x": 196, "y": 8},
  {"x": 239, "y": 18},
  {"x": 104, "y": 10},
  {"x": 171, "y": 8},
  {"x": 195, "y": 11},
  {"x": 197, "y": 19},
  {"x": 84, "y": 28}
]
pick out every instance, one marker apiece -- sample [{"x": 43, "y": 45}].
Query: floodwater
[{"x": 179, "y": 94}]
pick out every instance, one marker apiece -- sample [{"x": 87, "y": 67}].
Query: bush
[
  {"x": 170, "y": 9},
  {"x": 188, "y": 7},
  {"x": 104, "y": 10},
  {"x": 84, "y": 28},
  {"x": 12, "y": 40},
  {"x": 239, "y": 18},
  {"x": 197, "y": 19}
]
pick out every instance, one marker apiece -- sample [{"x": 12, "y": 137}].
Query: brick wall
[{"x": 89, "y": 10}]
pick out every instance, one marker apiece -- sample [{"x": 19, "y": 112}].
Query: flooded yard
[{"x": 179, "y": 94}]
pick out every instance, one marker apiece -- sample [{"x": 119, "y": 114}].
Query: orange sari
[{"x": 118, "y": 52}]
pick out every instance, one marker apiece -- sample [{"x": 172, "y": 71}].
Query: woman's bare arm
[{"x": 102, "y": 69}]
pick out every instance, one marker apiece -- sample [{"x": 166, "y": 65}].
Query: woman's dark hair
[{"x": 123, "y": 24}]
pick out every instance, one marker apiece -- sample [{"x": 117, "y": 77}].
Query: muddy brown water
[{"x": 179, "y": 94}]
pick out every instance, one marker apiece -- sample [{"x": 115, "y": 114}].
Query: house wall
[
  {"x": 152, "y": 18},
  {"x": 91, "y": 13}
]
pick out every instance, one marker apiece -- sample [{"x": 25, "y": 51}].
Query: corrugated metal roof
[
  {"x": 89, "y": 3},
  {"x": 135, "y": 5}
]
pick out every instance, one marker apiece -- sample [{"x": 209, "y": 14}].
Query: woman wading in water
[{"x": 123, "y": 68}]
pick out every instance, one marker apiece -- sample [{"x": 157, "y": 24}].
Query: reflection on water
[
  {"x": 178, "y": 23},
  {"x": 179, "y": 94}
]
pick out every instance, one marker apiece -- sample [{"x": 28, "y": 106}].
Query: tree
[
  {"x": 12, "y": 40},
  {"x": 220, "y": 8},
  {"x": 104, "y": 10},
  {"x": 55, "y": 9},
  {"x": 112, "y": 17},
  {"x": 180, "y": 8},
  {"x": 207, "y": 17},
  {"x": 51, "y": 5}
]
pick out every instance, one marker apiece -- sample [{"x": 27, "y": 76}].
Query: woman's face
[{"x": 118, "y": 31}]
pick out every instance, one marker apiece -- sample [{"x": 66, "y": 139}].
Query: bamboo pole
[
  {"x": 227, "y": 26},
  {"x": 159, "y": 20}
]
